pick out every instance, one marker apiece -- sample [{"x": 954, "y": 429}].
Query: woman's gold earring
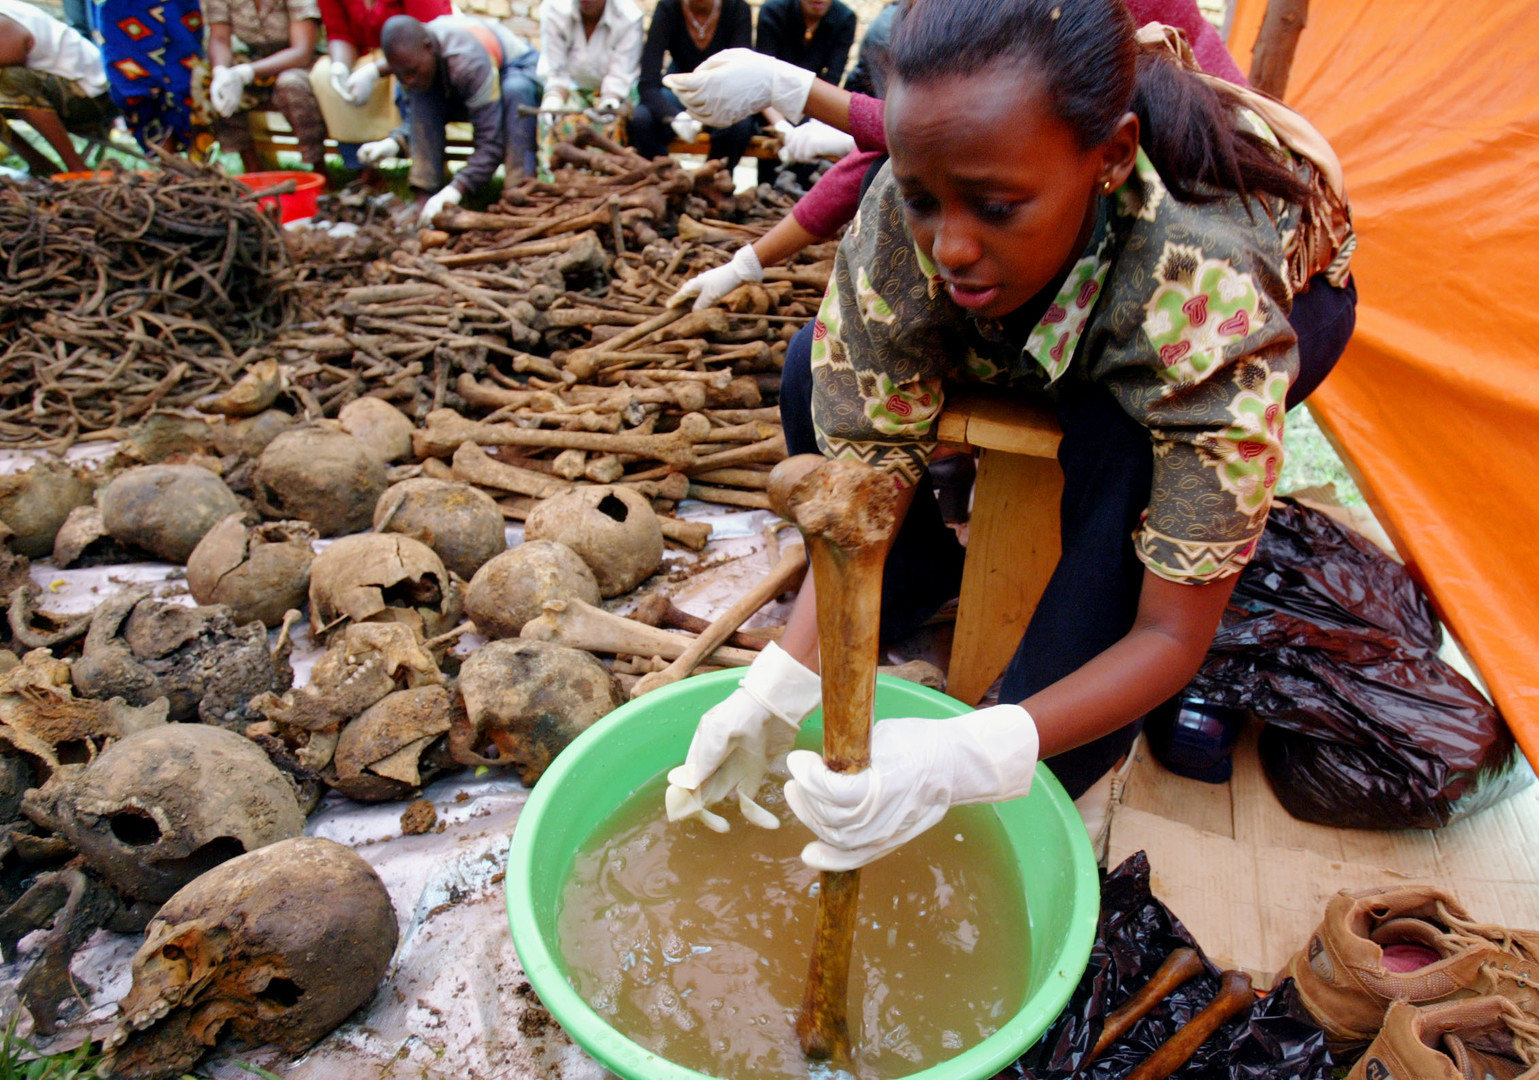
[{"x": 1106, "y": 188}]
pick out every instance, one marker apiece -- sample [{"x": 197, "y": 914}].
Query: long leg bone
[{"x": 583, "y": 626}]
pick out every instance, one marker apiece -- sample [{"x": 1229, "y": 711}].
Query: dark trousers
[
  {"x": 429, "y": 111},
  {"x": 650, "y": 132},
  {"x": 1108, "y": 466}
]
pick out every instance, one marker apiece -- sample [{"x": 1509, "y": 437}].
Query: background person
[
  {"x": 281, "y": 37},
  {"x": 590, "y": 59},
  {"x": 157, "y": 72},
  {"x": 815, "y": 35},
  {"x": 52, "y": 78},
  {"x": 459, "y": 68},
  {"x": 1103, "y": 256},
  {"x": 690, "y": 32}
]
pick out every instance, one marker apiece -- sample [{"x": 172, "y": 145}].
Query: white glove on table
[
  {"x": 361, "y": 83},
  {"x": 449, "y": 196},
  {"x": 686, "y": 127},
  {"x": 919, "y": 769},
  {"x": 372, "y": 153},
  {"x": 736, "y": 741},
  {"x": 227, "y": 86},
  {"x": 712, "y": 285},
  {"x": 814, "y": 140},
  {"x": 740, "y": 82}
]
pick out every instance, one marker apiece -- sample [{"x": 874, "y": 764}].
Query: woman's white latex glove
[
  {"x": 449, "y": 196},
  {"x": 227, "y": 86},
  {"x": 711, "y": 286},
  {"x": 361, "y": 83},
  {"x": 339, "y": 76},
  {"x": 553, "y": 100},
  {"x": 814, "y": 140},
  {"x": 740, "y": 82},
  {"x": 737, "y": 739},
  {"x": 686, "y": 127},
  {"x": 372, "y": 153},
  {"x": 919, "y": 769}
]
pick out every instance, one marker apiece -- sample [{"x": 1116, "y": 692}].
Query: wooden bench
[
  {"x": 272, "y": 133},
  {"x": 1013, "y": 538}
]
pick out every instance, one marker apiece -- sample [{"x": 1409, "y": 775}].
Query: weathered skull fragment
[
  {"x": 165, "y": 509},
  {"x": 41, "y": 717},
  {"x": 258, "y": 571},
  {"x": 512, "y": 588},
  {"x": 325, "y": 477},
  {"x": 161, "y": 806},
  {"x": 248, "y": 436},
  {"x": 140, "y": 649},
  {"x": 460, "y": 523},
  {"x": 383, "y": 577},
  {"x": 278, "y": 946},
  {"x": 528, "y": 699},
  {"x": 255, "y": 391},
  {"x": 34, "y": 503},
  {"x": 386, "y": 753},
  {"x": 613, "y": 529},
  {"x": 83, "y": 538},
  {"x": 380, "y": 426}
]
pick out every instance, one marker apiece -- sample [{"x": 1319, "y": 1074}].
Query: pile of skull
[{"x": 157, "y": 763}]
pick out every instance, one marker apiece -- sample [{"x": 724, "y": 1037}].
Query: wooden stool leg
[{"x": 1012, "y": 547}]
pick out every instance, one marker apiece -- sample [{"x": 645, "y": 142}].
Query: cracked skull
[
  {"x": 258, "y": 571},
  {"x": 383, "y": 577},
  {"x": 161, "y": 806},
  {"x": 278, "y": 946}
]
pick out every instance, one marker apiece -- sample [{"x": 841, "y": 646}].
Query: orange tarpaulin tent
[{"x": 1434, "y": 111}]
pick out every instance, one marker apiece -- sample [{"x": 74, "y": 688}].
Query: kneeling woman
[{"x": 1070, "y": 212}]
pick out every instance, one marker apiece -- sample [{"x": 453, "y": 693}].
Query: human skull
[
  {"x": 35, "y": 502},
  {"x": 322, "y": 476},
  {"x": 512, "y": 588},
  {"x": 529, "y": 699},
  {"x": 381, "y": 754},
  {"x": 258, "y": 571},
  {"x": 277, "y": 946},
  {"x": 460, "y": 523},
  {"x": 613, "y": 529},
  {"x": 165, "y": 509},
  {"x": 41, "y": 717},
  {"x": 161, "y": 806},
  {"x": 380, "y": 426},
  {"x": 382, "y": 577}
]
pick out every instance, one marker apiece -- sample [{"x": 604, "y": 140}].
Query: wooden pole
[
  {"x": 1277, "y": 41},
  {"x": 847, "y": 514}
]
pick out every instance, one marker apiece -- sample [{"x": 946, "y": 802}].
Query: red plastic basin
[{"x": 300, "y": 203}]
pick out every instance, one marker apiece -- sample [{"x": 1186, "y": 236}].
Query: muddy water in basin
[{"x": 694, "y": 944}]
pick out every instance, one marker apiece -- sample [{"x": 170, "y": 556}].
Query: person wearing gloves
[
  {"x": 354, "y": 97},
  {"x": 812, "y": 34},
  {"x": 590, "y": 63},
  {"x": 691, "y": 32},
  {"x": 52, "y": 78},
  {"x": 458, "y": 67},
  {"x": 1131, "y": 254},
  {"x": 281, "y": 38}
]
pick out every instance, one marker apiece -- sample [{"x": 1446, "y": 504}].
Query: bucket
[
  {"x": 605, "y": 766},
  {"x": 300, "y": 203}
]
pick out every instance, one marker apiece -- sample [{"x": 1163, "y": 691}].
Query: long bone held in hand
[
  {"x": 582, "y": 626},
  {"x": 847, "y": 513}
]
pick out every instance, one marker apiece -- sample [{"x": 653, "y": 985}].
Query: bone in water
[{"x": 694, "y": 944}]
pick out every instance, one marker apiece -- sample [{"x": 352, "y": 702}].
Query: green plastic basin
[{"x": 610, "y": 761}]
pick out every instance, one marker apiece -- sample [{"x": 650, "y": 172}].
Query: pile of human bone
[{"x": 400, "y": 397}]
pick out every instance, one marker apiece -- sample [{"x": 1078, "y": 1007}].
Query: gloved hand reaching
[
  {"x": 372, "y": 153},
  {"x": 554, "y": 99},
  {"x": 449, "y": 196},
  {"x": 339, "y": 77},
  {"x": 712, "y": 285},
  {"x": 686, "y": 127},
  {"x": 814, "y": 140},
  {"x": 919, "y": 769},
  {"x": 361, "y": 83},
  {"x": 736, "y": 741},
  {"x": 227, "y": 86},
  {"x": 740, "y": 82}
]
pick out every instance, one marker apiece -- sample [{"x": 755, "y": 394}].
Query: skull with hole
[
  {"x": 161, "y": 806},
  {"x": 395, "y": 745},
  {"x": 277, "y": 946},
  {"x": 613, "y": 529},
  {"x": 460, "y": 523},
  {"x": 513, "y": 588},
  {"x": 258, "y": 571},
  {"x": 165, "y": 509},
  {"x": 140, "y": 649},
  {"x": 41, "y": 718},
  {"x": 529, "y": 700},
  {"x": 35, "y": 502},
  {"x": 383, "y": 577},
  {"x": 320, "y": 475}
]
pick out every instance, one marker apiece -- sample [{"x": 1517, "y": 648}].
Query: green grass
[
  {"x": 19, "y": 1061},
  {"x": 1311, "y": 461}
]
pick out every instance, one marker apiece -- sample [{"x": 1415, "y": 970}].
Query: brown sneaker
[
  {"x": 1480, "y": 1038},
  {"x": 1409, "y": 943}
]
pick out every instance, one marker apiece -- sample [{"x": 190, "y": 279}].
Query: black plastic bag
[
  {"x": 1277, "y": 1041},
  {"x": 1332, "y": 643}
]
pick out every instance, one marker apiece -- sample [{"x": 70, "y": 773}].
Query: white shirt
[
  {"x": 58, "y": 49},
  {"x": 609, "y": 62}
]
